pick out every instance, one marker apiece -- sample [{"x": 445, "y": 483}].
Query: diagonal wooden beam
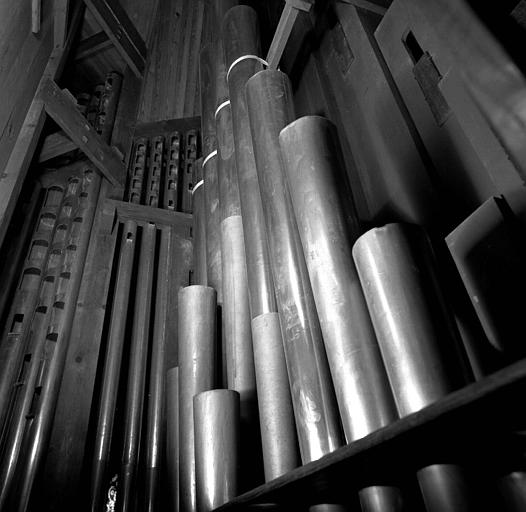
[
  {"x": 91, "y": 45},
  {"x": 60, "y": 24},
  {"x": 54, "y": 145},
  {"x": 121, "y": 31},
  {"x": 62, "y": 109}
]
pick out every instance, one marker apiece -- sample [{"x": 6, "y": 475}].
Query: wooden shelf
[{"x": 477, "y": 423}]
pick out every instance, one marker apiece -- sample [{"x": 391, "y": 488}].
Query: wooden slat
[
  {"x": 60, "y": 26},
  {"x": 54, "y": 145},
  {"x": 60, "y": 107},
  {"x": 366, "y": 5},
  {"x": 36, "y": 14},
  {"x": 121, "y": 31},
  {"x": 93, "y": 45}
]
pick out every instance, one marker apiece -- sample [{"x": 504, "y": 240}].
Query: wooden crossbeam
[
  {"x": 62, "y": 109},
  {"x": 366, "y": 5},
  {"x": 60, "y": 22},
  {"x": 92, "y": 45},
  {"x": 54, "y": 145},
  {"x": 286, "y": 22},
  {"x": 121, "y": 31}
]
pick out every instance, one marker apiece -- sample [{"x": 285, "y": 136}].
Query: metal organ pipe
[
  {"x": 172, "y": 437},
  {"x": 315, "y": 409},
  {"x": 199, "y": 226},
  {"x": 216, "y": 420},
  {"x": 417, "y": 340},
  {"x": 197, "y": 357}
]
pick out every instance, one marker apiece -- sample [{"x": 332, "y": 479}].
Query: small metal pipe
[
  {"x": 216, "y": 420},
  {"x": 138, "y": 171},
  {"x": 108, "y": 105},
  {"x": 133, "y": 409},
  {"x": 278, "y": 430},
  {"x": 199, "y": 226},
  {"x": 172, "y": 437},
  {"x": 172, "y": 174},
  {"x": 197, "y": 357},
  {"x": 153, "y": 188},
  {"x": 241, "y": 37},
  {"x": 417, "y": 339},
  {"x": 156, "y": 398},
  {"x": 315, "y": 407},
  {"x": 112, "y": 366}
]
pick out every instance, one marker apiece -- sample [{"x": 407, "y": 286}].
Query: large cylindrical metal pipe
[
  {"x": 278, "y": 430},
  {"x": 417, "y": 339},
  {"x": 172, "y": 437},
  {"x": 112, "y": 366},
  {"x": 241, "y": 38},
  {"x": 197, "y": 358},
  {"x": 216, "y": 420},
  {"x": 317, "y": 421},
  {"x": 328, "y": 227},
  {"x": 199, "y": 225},
  {"x": 156, "y": 400},
  {"x": 137, "y": 369}
]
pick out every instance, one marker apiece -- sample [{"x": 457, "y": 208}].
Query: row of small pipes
[
  {"x": 35, "y": 340},
  {"x": 321, "y": 328}
]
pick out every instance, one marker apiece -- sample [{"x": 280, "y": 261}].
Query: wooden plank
[
  {"x": 54, "y": 145},
  {"x": 60, "y": 107},
  {"x": 36, "y": 15},
  {"x": 481, "y": 414},
  {"x": 281, "y": 36},
  {"x": 93, "y": 45},
  {"x": 121, "y": 31},
  {"x": 190, "y": 107},
  {"x": 60, "y": 27},
  {"x": 366, "y": 5},
  {"x": 167, "y": 126}
]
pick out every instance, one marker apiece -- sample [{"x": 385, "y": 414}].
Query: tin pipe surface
[
  {"x": 270, "y": 106},
  {"x": 59, "y": 332},
  {"x": 417, "y": 340},
  {"x": 320, "y": 194},
  {"x": 199, "y": 226},
  {"x": 172, "y": 437},
  {"x": 112, "y": 366},
  {"x": 156, "y": 400},
  {"x": 197, "y": 357},
  {"x": 278, "y": 430},
  {"x": 241, "y": 37},
  {"x": 137, "y": 369},
  {"x": 216, "y": 420}
]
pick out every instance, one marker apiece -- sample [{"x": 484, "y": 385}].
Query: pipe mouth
[{"x": 306, "y": 120}]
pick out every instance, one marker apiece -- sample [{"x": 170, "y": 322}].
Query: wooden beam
[
  {"x": 366, "y": 5},
  {"x": 121, "y": 31},
  {"x": 36, "y": 15},
  {"x": 93, "y": 45},
  {"x": 60, "y": 27},
  {"x": 284, "y": 28},
  {"x": 55, "y": 145},
  {"x": 14, "y": 173},
  {"x": 62, "y": 109}
]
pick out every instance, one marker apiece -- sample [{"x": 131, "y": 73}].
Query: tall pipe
[
  {"x": 172, "y": 437},
  {"x": 58, "y": 335},
  {"x": 315, "y": 407},
  {"x": 196, "y": 340},
  {"x": 417, "y": 339},
  {"x": 216, "y": 419},
  {"x": 327, "y": 224},
  {"x": 199, "y": 225},
  {"x": 112, "y": 366},
  {"x": 158, "y": 384},
  {"x": 137, "y": 369},
  {"x": 241, "y": 38}
]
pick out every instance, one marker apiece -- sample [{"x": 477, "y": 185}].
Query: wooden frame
[{"x": 92, "y": 45}]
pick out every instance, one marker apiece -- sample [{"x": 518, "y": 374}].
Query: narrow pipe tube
[
  {"x": 156, "y": 400},
  {"x": 137, "y": 369},
  {"x": 112, "y": 366},
  {"x": 108, "y": 105},
  {"x": 172, "y": 437},
  {"x": 216, "y": 420},
  {"x": 327, "y": 224},
  {"x": 417, "y": 340},
  {"x": 240, "y": 38},
  {"x": 197, "y": 356},
  {"x": 199, "y": 226},
  {"x": 278, "y": 430},
  {"x": 315, "y": 408}
]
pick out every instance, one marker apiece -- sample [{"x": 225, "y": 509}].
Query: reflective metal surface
[
  {"x": 216, "y": 420},
  {"x": 199, "y": 226},
  {"x": 271, "y": 108},
  {"x": 172, "y": 437},
  {"x": 276, "y": 416},
  {"x": 241, "y": 37},
  {"x": 197, "y": 357}
]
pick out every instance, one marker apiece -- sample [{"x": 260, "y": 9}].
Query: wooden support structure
[
  {"x": 284, "y": 29},
  {"x": 62, "y": 109},
  {"x": 121, "y": 31},
  {"x": 60, "y": 25},
  {"x": 36, "y": 15},
  {"x": 92, "y": 45},
  {"x": 366, "y": 5},
  {"x": 54, "y": 145}
]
